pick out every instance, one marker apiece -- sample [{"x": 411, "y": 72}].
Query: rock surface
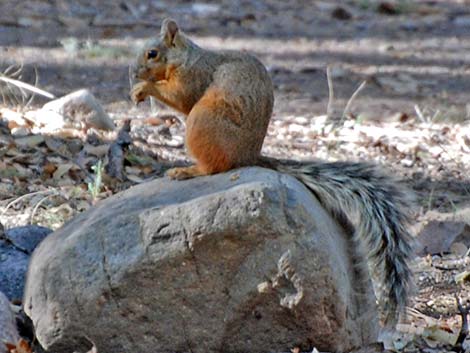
[
  {"x": 246, "y": 261},
  {"x": 8, "y": 331},
  {"x": 15, "y": 250}
]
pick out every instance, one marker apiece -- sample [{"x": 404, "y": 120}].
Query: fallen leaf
[
  {"x": 29, "y": 141},
  {"x": 98, "y": 151},
  {"x": 49, "y": 168},
  {"x": 152, "y": 121},
  {"x": 462, "y": 277},
  {"x": 440, "y": 335},
  {"x": 21, "y": 347},
  {"x": 139, "y": 160},
  {"x": 234, "y": 177},
  {"x": 58, "y": 146},
  {"x": 135, "y": 178},
  {"x": 62, "y": 169}
]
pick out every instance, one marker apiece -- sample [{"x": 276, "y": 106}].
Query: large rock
[
  {"x": 246, "y": 261},
  {"x": 8, "y": 331}
]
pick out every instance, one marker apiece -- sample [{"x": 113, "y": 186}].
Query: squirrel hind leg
[{"x": 214, "y": 137}]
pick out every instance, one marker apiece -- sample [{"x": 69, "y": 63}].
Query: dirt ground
[{"x": 412, "y": 115}]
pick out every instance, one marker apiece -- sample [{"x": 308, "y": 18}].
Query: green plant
[{"x": 94, "y": 187}]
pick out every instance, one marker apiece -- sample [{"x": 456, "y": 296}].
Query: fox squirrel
[{"x": 228, "y": 100}]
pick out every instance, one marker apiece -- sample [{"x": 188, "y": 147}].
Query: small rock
[
  {"x": 28, "y": 237},
  {"x": 203, "y": 9},
  {"x": 388, "y": 8},
  {"x": 462, "y": 21},
  {"x": 324, "y": 6},
  {"x": 340, "y": 13},
  {"x": 437, "y": 236},
  {"x": 79, "y": 109},
  {"x": 338, "y": 72},
  {"x": 20, "y": 131},
  {"x": 410, "y": 26},
  {"x": 15, "y": 251},
  {"x": 406, "y": 162},
  {"x": 458, "y": 248}
]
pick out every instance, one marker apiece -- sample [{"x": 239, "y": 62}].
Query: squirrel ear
[{"x": 170, "y": 31}]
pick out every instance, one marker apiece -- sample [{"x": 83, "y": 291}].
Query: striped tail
[{"x": 380, "y": 205}]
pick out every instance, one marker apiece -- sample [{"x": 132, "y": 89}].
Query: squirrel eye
[{"x": 151, "y": 54}]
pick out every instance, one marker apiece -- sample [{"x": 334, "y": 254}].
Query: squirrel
[{"x": 228, "y": 100}]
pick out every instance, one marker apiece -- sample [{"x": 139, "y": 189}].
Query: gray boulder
[
  {"x": 246, "y": 261},
  {"x": 8, "y": 331}
]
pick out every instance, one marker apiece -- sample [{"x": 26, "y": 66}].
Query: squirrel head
[{"x": 166, "y": 51}]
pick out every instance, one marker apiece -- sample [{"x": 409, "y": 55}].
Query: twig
[
  {"x": 331, "y": 94},
  {"x": 36, "y": 81},
  {"x": 436, "y": 114},
  {"x": 464, "y": 329},
  {"x": 131, "y": 78},
  {"x": 134, "y": 11},
  {"x": 22, "y": 197},
  {"x": 419, "y": 113},
  {"x": 13, "y": 74},
  {"x": 12, "y": 95},
  {"x": 27, "y": 86},
  {"x": 37, "y": 206},
  {"x": 350, "y": 101}
]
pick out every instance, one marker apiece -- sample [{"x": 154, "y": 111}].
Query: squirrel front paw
[{"x": 139, "y": 92}]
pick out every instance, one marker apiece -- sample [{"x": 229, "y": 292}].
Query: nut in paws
[{"x": 139, "y": 92}]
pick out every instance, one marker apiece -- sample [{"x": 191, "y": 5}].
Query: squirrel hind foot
[{"x": 182, "y": 173}]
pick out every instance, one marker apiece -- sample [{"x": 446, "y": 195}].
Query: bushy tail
[{"x": 378, "y": 207}]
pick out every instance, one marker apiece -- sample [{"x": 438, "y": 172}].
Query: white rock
[{"x": 79, "y": 109}]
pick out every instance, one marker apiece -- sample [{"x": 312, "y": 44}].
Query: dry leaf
[
  {"x": 98, "y": 151},
  {"x": 62, "y": 169},
  {"x": 440, "y": 335},
  {"x": 21, "y": 347},
  {"x": 152, "y": 121},
  {"x": 58, "y": 146},
  {"x": 49, "y": 168},
  {"x": 29, "y": 141},
  {"x": 462, "y": 277},
  {"x": 234, "y": 177},
  {"x": 135, "y": 178}
]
